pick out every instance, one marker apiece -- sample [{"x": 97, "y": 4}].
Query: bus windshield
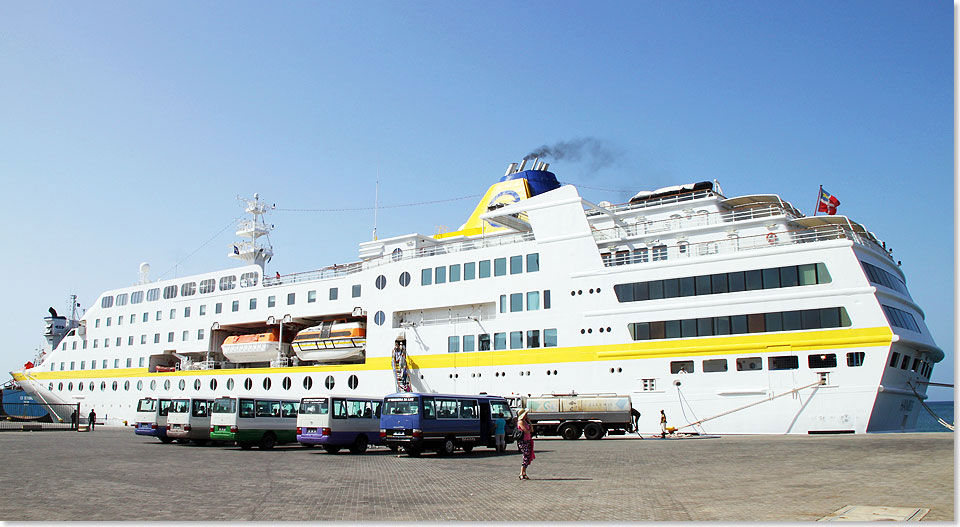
[
  {"x": 225, "y": 406},
  {"x": 179, "y": 406},
  {"x": 406, "y": 406},
  {"x": 147, "y": 405},
  {"x": 315, "y": 406}
]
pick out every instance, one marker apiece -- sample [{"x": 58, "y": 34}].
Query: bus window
[
  {"x": 400, "y": 406},
  {"x": 246, "y": 408},
  {"x": 224, "y": 406},
  {"x": 447, "y": 409},
  {"x": 164, "y": 407},
  {"x": 200, "y": 408},
  {"x": 468, "y": 409},
  {"x": 376, "y": 409},
  {"x": 339, "y": 409},
  {"x": 147, "y": 405},
  {"x": 499, "y": 409},
  {"x": 429, "y": 408},
  {"x": 268, "y": 408},
  {"x": 314, "y": 407},
  {"x": 290, "y": 409},
  {"x": 361, "y": 409},
  {"x": 179, "y": 406}
]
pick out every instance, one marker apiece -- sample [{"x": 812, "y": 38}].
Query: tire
[
  {"x": 467, "y": 449},
  {"x": 569, "y": 431},
  {"x": 412, "y": 451},
  {"x": 331, "y": 449},
  {"x": 166, "y": 440},
  {"x": 307, "y": 445},
  {"x": 393, "y": 448},
  {"x": 201, "y": 442},
  {"x": 359, "y": 446},
  {"x": 268, "y": 441},
  {"x": 245, "y": 445},
  {"x": 447, "y": 447},
  {"x": 594, "y": 431}
]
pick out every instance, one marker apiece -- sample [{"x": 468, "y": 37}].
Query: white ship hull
[{"x": 555, "y": 325}]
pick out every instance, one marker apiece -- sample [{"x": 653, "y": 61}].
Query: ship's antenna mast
[
  {"x": 376, "y": 202},
  {"x": 250, "y": 250}
]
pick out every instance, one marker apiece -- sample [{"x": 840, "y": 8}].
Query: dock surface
[{"x": 111, "y": 474}]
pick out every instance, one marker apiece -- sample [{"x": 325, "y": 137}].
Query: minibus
[
  {"x": 339, "y": 421},
  {"x": 152, "y": 418},
  {"x": 189, "y": 419},
  {"x": 441, "y": 422},
  {"x": 261, "y": 421}
]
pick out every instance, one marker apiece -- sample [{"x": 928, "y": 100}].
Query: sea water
[{"x": 928, "y": 423}]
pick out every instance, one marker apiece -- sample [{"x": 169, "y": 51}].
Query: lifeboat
[
  {"x": 331, "y": 341},
  {"x": 256, "y": 347}
]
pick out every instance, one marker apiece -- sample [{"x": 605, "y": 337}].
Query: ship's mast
[{"x": 250, "y": 250}]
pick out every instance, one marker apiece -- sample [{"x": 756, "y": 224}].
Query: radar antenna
[{"x": 250, "y": 250}]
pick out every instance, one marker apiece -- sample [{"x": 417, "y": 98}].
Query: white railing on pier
[{"x": 335, "y": 271}]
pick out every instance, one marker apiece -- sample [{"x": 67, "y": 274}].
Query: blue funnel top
[{"x": 540, "y": 181}]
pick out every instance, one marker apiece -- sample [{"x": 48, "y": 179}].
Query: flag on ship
[
  {"x": 236, "y": 250},
  {"x": 828, "y": 202}
]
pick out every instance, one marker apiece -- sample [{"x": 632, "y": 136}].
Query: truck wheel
[
  {"x": 594, "y": 431},
  {"x": 268, "y": 441},
  {"x": 569, "y": 431},
  {"x": 467, "y": 449},
  {"x": 359, "y": 446},
  {"x": 447, "y": 447}
]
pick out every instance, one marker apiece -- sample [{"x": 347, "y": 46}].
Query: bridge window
[
  {"x": 207, "y": 286},
  {"x": 454, "y": 273},
  {"x": 248, "y": 279},
  {"x": 426, "y": 276},
  {"x": 533, "y": 262},
  {"x": 106, "y": 302},
  {"x": 484, "y": 269},
  {"x": 516, "y": 264},
  {"x": 136, "y": 297},
  {"x": 440, "y": 275},
  {"x": 228, "y": 282},
  {"x": 153, "y": 294},
  {"x": 169, "y": 292},
  {"x": 500, "y": 267},
  {"x": 188, "y": 289},
  {"x": 469, "y": 270}
]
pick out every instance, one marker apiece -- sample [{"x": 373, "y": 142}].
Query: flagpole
[{"x": 817, "y": 207}]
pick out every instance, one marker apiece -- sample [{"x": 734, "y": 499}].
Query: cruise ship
[{"x": 735, "y": 315}]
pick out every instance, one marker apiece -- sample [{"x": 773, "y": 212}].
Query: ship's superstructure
[{"x": 734, "y": 315}]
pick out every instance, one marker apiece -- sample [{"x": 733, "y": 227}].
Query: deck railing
[{"x": 701, "y": 219}]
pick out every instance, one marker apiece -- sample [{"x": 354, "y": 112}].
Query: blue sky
[{"x": 128, "y": 129}]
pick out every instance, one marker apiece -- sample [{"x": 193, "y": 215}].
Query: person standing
[
  {"x": 663, "y": 424},
  {"x": 74, "y": 420},
  {"x": 525, "y": 443},
  {"x": 500, "y": 433},
  {"x": 92, "y": 419}
]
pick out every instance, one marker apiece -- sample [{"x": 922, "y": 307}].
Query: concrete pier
[{"x": 111, "y": 474}]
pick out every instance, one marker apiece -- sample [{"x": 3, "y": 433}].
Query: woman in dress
[{"x": 525, "y": 443}]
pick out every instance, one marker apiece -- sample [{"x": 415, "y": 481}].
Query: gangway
[{"x": 400, "y": 370}]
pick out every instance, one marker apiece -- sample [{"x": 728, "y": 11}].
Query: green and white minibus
[{"x": 262, "y": 421}]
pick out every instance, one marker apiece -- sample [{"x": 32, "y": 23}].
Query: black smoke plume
[{"x": 595, "y": 152}]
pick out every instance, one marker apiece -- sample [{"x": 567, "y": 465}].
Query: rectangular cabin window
[
  {"x": 469, "y": 271},
  {"x": 822, "y": 360},
  {"x": 705, "y": 327},
  {"x": 655, "y": 290},
  {"x": 516, "y": 340},
  {"x": 687, "y": 286},
  {"x": 311, "y": 296},
  {"x": 750, "y": 364},
  {"x": 200, "y": 334},
  {"x": 156, "y": 338},
  {"x": 333, "y": 293},
  {"x": 681, "y": 366},
  {"x": 130, "y": 340},
  {"x": 143, "y": 339},
  {"x": 792, "y": 320},
  {"x": 133, "y": 318},
  {"x": 546, "y": 299},
  {"x": 83, "y": 365},
  {"x": 484, "y": 269},
  {"x": 84, "y": 345},
  {"x": 108, "y": 321},
  {"x": 173, "y": 314},
  {"x": 671, "y": 288},
  {"x": 516, "y": 302},
  {"x": 291, "y": 299},
  {"x": 142, "y": 361},
  {"x": 755, "y": 323},
  {"x": 771, "y": 278},
  {"x": 71, "y": 365},
  {"x": 533, "y": 338},
  {"x": 659, "y": 253},
  {"x": 170, "y": 337},
  {"x": 516, "y": 264},
  {"x": 120, "y": 320},
  {"x": 484, "y": 341},
  {"x": 235, "y": 306},
  {"x": 453, "y": 344},
  {"x": 736, "y": 282},
  {"x": 784, "y": 362},
  {"x": 533, "y": 300},
  {"x": 807, "y": 274},
  {"x": 503, "y": 303},
  {"x": 904, "y": 362},
  {"x": 440, "y": 275},
  {"x": 754, "y": 279},
  {"x": 116, "y": 363},
  {"x": 533, "y": 262},
  {"x": 639, "y": 330},
  {"x": 714, "y": 365},
  {"x": 106, "y": 343},
  {"x": 499, "y": 341},
  {"x": 354, "y": 291},
  {"x": 672, "y": 328},
  {"x": 500, "y": 267},
  {"x": 789, "y": 276},
  {"x": 253, "y": 304},
  {"x": 186, "y": 312},
  {"x": 704, "y": 285},
  {"x": 550, "y": 338},
  {"x": 426, "y": 276},
  {"x": 688, "y": 327},
  {"x": 185, "y": 335},
  {"x": 454, "y": 273},
  {"x": 855, "y": 358},
  {"x": 469, "y": 342}
]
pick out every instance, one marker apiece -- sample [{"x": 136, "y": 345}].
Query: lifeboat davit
[
  {"x": 256, "y": 347},
  {"x": 331, "y": 340}
]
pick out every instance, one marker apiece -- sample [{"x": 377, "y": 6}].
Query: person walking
[
  {"x": 500, "y": 433},
  {"x": 663, "y": 424},
  {"x": 92, "y": 419},
  {"x": 525, "y": 442}
]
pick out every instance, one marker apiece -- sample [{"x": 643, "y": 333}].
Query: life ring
[{"x": 771, "y": 238}]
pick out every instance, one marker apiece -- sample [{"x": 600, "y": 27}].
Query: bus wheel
[
  {"x": 331, "y": 449},
  {"x": 245, "y": 445},
  {"x": 268, "y": 441},
  {"x": 166, "y": 440},
  {"x": 593, "y": 431},
  {"x": 569, "y": 431},
  {"x": 412, "y": 451},
  {"x": 467, "y": 449},
  {"x": 359, "y": 446},
  {"x": 307, "y": 445},
  {"x": 393, "y": 448},
  {"x": 201, "y": 442},
  {"x": 447, "y": 447}
]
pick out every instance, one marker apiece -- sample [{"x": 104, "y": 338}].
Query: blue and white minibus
[
  {"x": 442, "y": 422},
  {"x": 152, "y": 418},
  {"x": 338, "y": 421}
]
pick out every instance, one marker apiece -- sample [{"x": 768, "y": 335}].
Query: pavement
[{"x": 111, "y": 474}]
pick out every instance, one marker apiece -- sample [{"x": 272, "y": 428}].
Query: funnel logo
[{"x": 502, "y": 199}]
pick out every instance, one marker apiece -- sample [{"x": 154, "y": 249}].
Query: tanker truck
[{"x": 572, "y": 415}]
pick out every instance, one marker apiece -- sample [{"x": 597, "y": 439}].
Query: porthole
[
  {"x": 611, "y": 370},
  {"x": 421, "y": 376},
  {"x": 153, "y": 384},
  {"x": 80, "y": 386},
  {"x": 601, "y": 330},
  {"x": 554, "y": 372},
  {"x": 50, "y": 387},
  {"x": 381, "y": 282},
  {"x": 139, "y": 385},
  {"x": 247, "y": 384},
  {"x": 598, "y": 290},
  {"x": 230, "y": 384},
  {"x": 352, "y": 382},
  {"x": 404, "y": 279},
  {"x": 60, "y": 387},
  {"x": 114, "y": 386},
  {"x": 213, "y": 384},
  {"x": 329, "y": 382},
  {"x": 496, "y": 374},
  {"x": 573, "y": 293},
  {"x": 528, "y": 374},
  {"x": 521, "y": 374},
  {"x": 451, "y": 375},
  {"x": 456, "y": 375},
  {"x": 103, "y": 386},
  {"x": 591, "y": 291},
  {"x": 182, "y": 384},
  {"x": 166, "y": 385},
  {"x": 379, "y": 318},
  {"x": 286, "y": 383},
  {"x": 70, "y": 387},
  {"x": 91, "y": 386},
  {"x": 590, "y": 330},
  {"x": 619, "y": 370},
  {"x": 548, "y": 372},
  {"x": 582, "y": 331},
  {"x": 196, "y": 384},
  {"x": 608, "y": 329},
  {"x": 473, "y": 375},
  {"x": 267, "y": 383},
  {"x": 126, "y": 386},
  {"x": 307, "y": 382},
  {"x": 579, "y": 291}
]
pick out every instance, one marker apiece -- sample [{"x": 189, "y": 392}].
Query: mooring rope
[
  {"x": 928, "y": 409},
  {"x": 728, "y": 412}
]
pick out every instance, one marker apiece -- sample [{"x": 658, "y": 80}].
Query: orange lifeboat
[{"x": 255, "y": 347}]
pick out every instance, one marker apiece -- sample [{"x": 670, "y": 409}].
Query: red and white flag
[{"x": 828, "y": 202}]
